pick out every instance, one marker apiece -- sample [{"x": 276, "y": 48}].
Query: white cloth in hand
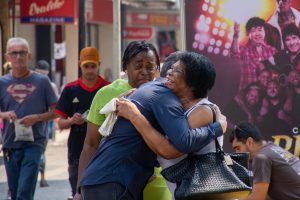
[{"x": 110, "y": 110}]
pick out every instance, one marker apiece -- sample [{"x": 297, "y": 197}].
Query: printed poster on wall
[
  {"x": 255, "y": 47},
  {"x": 166, "y": 41}
]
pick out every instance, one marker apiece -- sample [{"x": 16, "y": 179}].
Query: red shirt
[{"x": 251, "y": 59}]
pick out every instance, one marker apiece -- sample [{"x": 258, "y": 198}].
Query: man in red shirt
[{"x": 73, "y": 105}]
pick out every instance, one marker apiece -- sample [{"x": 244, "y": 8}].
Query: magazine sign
[{"x": 47, "y": 11}]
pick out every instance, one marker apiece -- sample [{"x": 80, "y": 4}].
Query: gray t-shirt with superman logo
[{"x": 25, "y": 96}]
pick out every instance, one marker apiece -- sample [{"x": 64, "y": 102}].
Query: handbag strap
[
  {"x": 211, "y": 106},
  {"x": 218, "y": 146}
]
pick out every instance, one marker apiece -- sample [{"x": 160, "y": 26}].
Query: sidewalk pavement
[{"x": 56, "y": 171}]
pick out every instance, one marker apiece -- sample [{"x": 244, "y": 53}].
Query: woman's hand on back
[
  {"x": 127, "y": 109},
  {"x": 221, "y": 118}
]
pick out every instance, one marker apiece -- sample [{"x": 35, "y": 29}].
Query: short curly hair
[
  {"x": 291, "y": 29},
  {"x": 169, "y": 61},
  {"x": 255, "y": 22},
  {"x": 200, "y": 73},
  {"x": 136, "y": 47}
]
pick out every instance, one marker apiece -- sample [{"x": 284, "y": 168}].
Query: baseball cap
[
  {"x": 89, "y": 55},
  {"x": 43, "y": 65}
]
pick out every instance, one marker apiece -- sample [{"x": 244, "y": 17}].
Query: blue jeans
[
  {"x": 22, "y": 167},
  {"x": 42, "y": 165},
  {"x": 50, "y": 129}
]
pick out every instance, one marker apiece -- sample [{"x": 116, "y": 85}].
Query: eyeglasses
[
  {"x": 177, "y": 71},
  {"x": 14, "y": 54}
]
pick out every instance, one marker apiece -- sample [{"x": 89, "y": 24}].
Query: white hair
[{"x": 17, "y": 41}]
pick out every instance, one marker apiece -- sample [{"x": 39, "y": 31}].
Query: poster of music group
[{"x": 255, "y": 46}]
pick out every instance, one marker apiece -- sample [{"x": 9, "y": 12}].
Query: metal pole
[
  {"x": 13, "y": 18},
  {"x": 1, "y": 49},
  {"x": 5, "y": 26},
  {"x": 81, "y": 27},
  {"x": 182, "y": 25},
  {"x": 117, "y": 36}
]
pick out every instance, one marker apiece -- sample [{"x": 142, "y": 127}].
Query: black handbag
[{"x": 215, "y": 175}]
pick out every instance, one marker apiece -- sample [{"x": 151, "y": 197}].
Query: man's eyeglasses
[{"x": 15, "y": 54}]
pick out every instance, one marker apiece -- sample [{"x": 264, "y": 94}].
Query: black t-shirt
[{"x": 77, "y": 98}]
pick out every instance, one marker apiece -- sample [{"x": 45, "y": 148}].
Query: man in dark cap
[{"x": 43, "y": 67}]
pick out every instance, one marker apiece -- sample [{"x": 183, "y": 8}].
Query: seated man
[{"x": 276, "y": 172}]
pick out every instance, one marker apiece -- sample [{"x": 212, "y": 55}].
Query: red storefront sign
[
  {"x": 99, "y": 11},
  {"x": 137, "y": 33},
  {"x": 48, "y": 11},
  {"x": 153, "y": 19}
]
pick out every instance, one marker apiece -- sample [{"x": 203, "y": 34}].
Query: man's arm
[
  {"x": 259, "y": 192},
  {"x": 234, "y": 50},
  {"x": 29, "y": 120},
  {"x": 91, "y": 143},
  {"x": 262, "y": 170},
  {"x": 65, "y": 123},
  {"x": 9, "y": 115}
]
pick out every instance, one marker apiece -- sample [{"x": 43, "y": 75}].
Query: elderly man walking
[{"x": 26, "y": 103}]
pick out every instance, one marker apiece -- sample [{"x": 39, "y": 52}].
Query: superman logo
[{"x": 20, "y": 92}]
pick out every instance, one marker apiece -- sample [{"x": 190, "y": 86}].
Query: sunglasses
[{"x": 14, "y": 54}]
